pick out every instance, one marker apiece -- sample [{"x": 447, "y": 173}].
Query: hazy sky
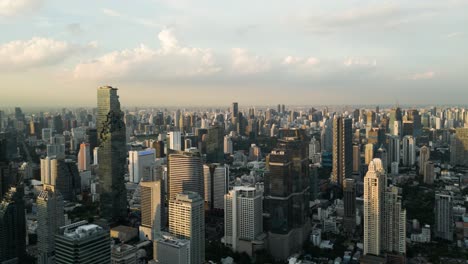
[{"x": 199, "y": 52}]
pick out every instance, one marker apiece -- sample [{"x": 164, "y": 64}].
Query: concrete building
[
  {"x": 394, "y": 223},
  {"x": 175, "y": 140},
  {"x": 90, "y": 244},
  {"x": 349, "y": 199},
  {"x": 342, "y": 150},
  {"x": 187, "y": 221},
  {"x": 368, "y": 153},
  {"x": 141, "y": 165},
  {"x": 84, "y": 157},
  {"x": 152, "y": 209},
  {"x": 459, "y": 147},
  {"x": 228, "y": 147},
  {"x": 429, "y": 173},
  {"x": 171, "y": 250},
  {"x": 243, "y": 220},
  {"x": 124, "y": 254},
  {"x": 216, "y": 180},
  {"x": 185, "y": 173},
  {"x": 443, "y": 216},
  {"x": 424, "y": 156},
  {"x": 409, "y": 151},
  {"x": 12, "y": 226}
]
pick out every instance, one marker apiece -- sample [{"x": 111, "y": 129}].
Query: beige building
[
  {"x": 368, "y": 153},
  {"x": 152, "y": 209}
]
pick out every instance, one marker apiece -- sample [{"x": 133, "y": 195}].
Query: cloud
[
  {"x": 422, "y": 76},
  {"x": 111, "y": 13},
  {"x": 244, "y": 63},
  {"x": 454, "y": 34},
  {"x": 170, "y": 61},
  {"x": 31, "y": 53},
  {"x": 349, "y": 62},
  {"x": 291, "y": 60},
  {"x": 16, "y": 7}
]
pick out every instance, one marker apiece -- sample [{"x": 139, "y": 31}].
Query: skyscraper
[
  {"x": 443, "y": 216},
  {"x": 89, "y": 243},
  {"x": 349, "y": 199},
  {"x": 84, "y": 157},
  {"x": 152, "y": 209},
  {"x": 374, "y": 186},
  {"x": 187, "y": 221},
  {"x": 369, "y": 153},
  {"x": 342, "y": 150},
  {"x": 409, "y": 151},
  {"x": 184, "y": 173},
  {"x": 459, "y": 147},
  {"x": 424, "y": 156},
  {"x": 287, "y": 193},
  {"x": 50, "y": 216},
  {"x": 215, "y": 145},
  {"x": 394, "y": 223},
  {"x": 63, "y": 175},
  {"x": 112, "y": 154},
  {"x": 356, "y": 158},
  {"x": 243, "y": 220},
  {"x": 393, "y": 149},
  {"x": 235, "y": 109},
  {"x": 141, "y": 165},
  {"x": 12, "y": 226},
  {"x": 175, "y": 140},
  {"x": 216, "y": 184},
  {"x": 429, "y": 173}
]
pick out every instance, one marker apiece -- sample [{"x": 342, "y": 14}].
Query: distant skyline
[{"x": 183, "y": 52}]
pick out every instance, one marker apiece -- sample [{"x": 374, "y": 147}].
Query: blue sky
[{"x": 169, "y": 52}]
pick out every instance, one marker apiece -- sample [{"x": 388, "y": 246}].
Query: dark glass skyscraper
[
  {"x": 12, "y": 226},
  {"x": 287, "y": 193},
  {"x": 342, "y": 150},
  {"x": 215, "y": 145},
  {"x": 349, "y": 199},
  {"x": 111, "y": 153}
]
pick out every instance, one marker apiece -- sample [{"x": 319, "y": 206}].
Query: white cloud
[
  {"x": 454, "y": 34},
  {"x": 15, "y": 7},
  {"x": 422, "y": 76},
  {"x": 35, "y": 52},
  {"x": 349, "y": 62},
  {"x": 170, "y": 61},
  {"x": 244, "y": 63},
  {"x": 111, "y": 13}
]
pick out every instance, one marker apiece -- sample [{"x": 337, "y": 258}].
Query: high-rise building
[
  {"x": 84, "y": 157},
  {"x": 215, "y": 145},
  {"x": 12, "y": 226},
  {"x": 50, "y": 216},
  {"x": 243, "y": 220},
  {"x": 152, "y": 209},
  {"x": 216, "y": 180},
  {"x": 459, "y": 147},
  {"x": 89, "y": 243},
  {"x": 443, "y": 216},
  {"x": 424, "y": 156},
  {"x": 112, "y": 154},
  {"x": 63, "y": 174},
  {"x": 356, "y": 158},
  {"x": 393, "y": 150},
  {"x": 394, "y": 223},
  {"x": 228, "y": 147},
  {"x": 171, "y": 250},
  {"x": 429, "y": 173},
  {"x": 235, "y": 109},
  {"x": 409, "y": 151},
  {"x": 368, "y": 153},
  {"x": 141, "y": 165},
  {"x": 184, "y": 173},
  {"x": 342, "y": 150},
  {"x": 175, "y": 140},
  {"x": 187, "y": 221},
  {"x": 287, "y": 193},
  {"x": 349, "y": 199},
  {"x": 374, "y": 187}
]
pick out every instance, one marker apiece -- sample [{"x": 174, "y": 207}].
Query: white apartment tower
[
  {"x": 141, "y": 165},
  {"x": 409, "y": 151}
]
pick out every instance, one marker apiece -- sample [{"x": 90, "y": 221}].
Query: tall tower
[
  {"x": 394, "y": 223},
  {"x": 409, "y": 151},
  {"x": 349, "y": 198},
  {"x": 187, "y": 221},
  {"x": 50, "y": 216},
  {"x": 356, "y": 158},
  {"x": 215, "y": 145},
  {"x": 184, "y": 173},
  {"x": 374, "y": 186},
  {"x": 243, "y": 220},
  {"x": 369, "y": 153},
  {"x": 424, "y": 156},
  {"x": 393, "y": 149},
  {"x": 216, "y": 184},
  {"x": 12, "y": 226},
  {"x": 235, "y": 109},
  {"x": 112, "y": 154},
  {"x": 84, "y": 157},
  {"x": 152, "y": 209},
  {"x": 443, "y": 216},
  {"x": 287, "y": 184},
  {"x": 342, "y": 150}
]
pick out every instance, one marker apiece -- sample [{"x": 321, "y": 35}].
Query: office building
[
  {"x": 409, "y": 151},
  {"x": 50, "y": 216},
  {"x": 12, "y": 226},
  {"x": 368, "y": 153},
  {"x": 112, "y": 154},
  {"x": 185, "y": 173},
  {"x": 243, "y": 220},
  {"x": 216, "y": 180},
  {"x": 459, "y": 147},
  {"x": 356, "y": 158},
  {"x": 228, "y": 147},
  {"x": 349, "y": 199},
  {"x": 141, "y": 165},
  {"x": 215, "y": 145},
  {"x": 124, "y": 254},
  {"x": 287, "y": 193},
  {"x": 63, "y": 175},
  {"x": 187, "y": 221},
  {"x": 342, "y": 150},
  {"x": 152, "y": 209},
  {"x": 235, "y": 109},
  {"x": 394, "y": 223},
  {"x": 89, "y": 243},
  {"x": 84, "y": 157},
  {"x": 443, "y": 216},
  {"x": 424, "y": 156},
  {"x": 174, "y": 140},
  {"x": 171, "y": 250},
  {"x": 429, "y": 173},
  {"x": 393, "y": 150},
  {"x": 374, "y": 187}
]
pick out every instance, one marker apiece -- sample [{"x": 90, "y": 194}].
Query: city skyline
[{"x": 156, "y": 50}]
